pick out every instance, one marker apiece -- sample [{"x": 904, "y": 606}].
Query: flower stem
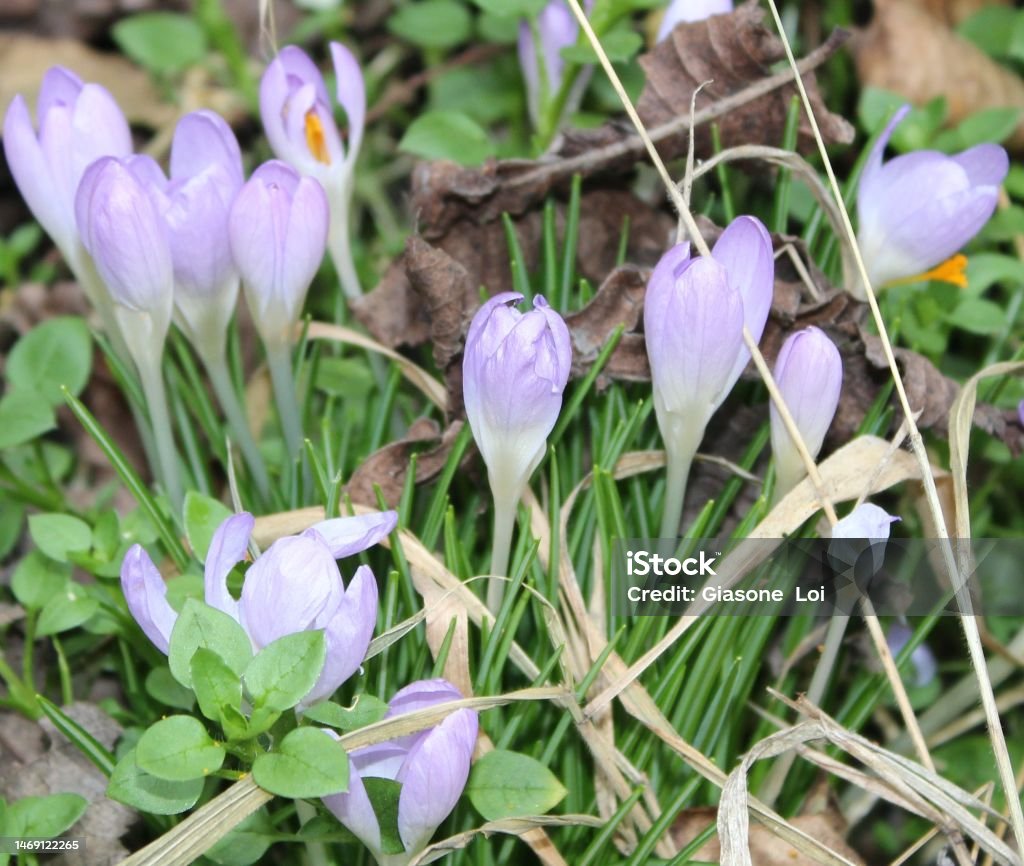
[
  {"x": 217, "y": 368},
  {"x": 340, "y": 246},
  {"x": 316, "y": 853},
  {"x": 279, "y": 360},
  {"x": 151, "y": 377},
  {"x": 501, "y": 547},
  {"x": 679, "y": 457}
]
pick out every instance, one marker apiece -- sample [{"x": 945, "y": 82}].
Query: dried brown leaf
[
  {"x": 908, "y": 51},
  {"x": 729, "y": 51}
]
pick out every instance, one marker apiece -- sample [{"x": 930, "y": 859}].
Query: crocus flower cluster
[
  {"x": 432, "y": 767},
  {"x": 920, "y": 208},
  {"x": 294, "y": 586},
  {"x": 695, "y": 311},
  {"x": 809, "y": 373},
  {"x": 680, "y": 11},
  {"x": 514, "y": 370}
]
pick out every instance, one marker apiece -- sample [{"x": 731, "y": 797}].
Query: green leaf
[
  {"x": 918, "y": 127},
  {"x": 162, "y": 42},
  {"x": 200, "y": 625},
  {"x": 619, "y": 45},
  {"x": 66, "y": 610},
  {"x": 991, "y": 29},
  {"x": 308, "y": 763},
  {"x": 991, "y": 125},
  {"x": 203, "y": 515},
  {"x": 978, "y": 316},
  {"x": 12, "y": 519},
  {"x": 512, "y": 8},
  {"x": 57, "y": 535},
  {"x": 283, "y": 672},
  {"x": 37, "y": 579},
  {"x": 987, "y": 269},
  {"x": 54, "y": 354},
  {"x": 136, "y": 788},
  {"x": 510, "y": 785},
  {"x": 384, "y": 795},
  {"x": 246, "y": 844},
  {"x": 432, "y": 23},
  {"x": 24, "y": 415},
  {"x": 177, "y": 749},
  {"x": 215, "y": 684},
  {"x": 365, "y": 710},
  {"x": 44, "y": 817},
  {"x": 447, "y": 135},
  {"x": 162, "y": 686}
]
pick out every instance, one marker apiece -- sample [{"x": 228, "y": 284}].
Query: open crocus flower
[
  {"x": 695, "y": 310},
  {"x": 299, "y": 123},
  {"x": 679, "y": 11},
  {"x": 294, "y": 586},
  {"x": 920, "y": 208},
  {"x": 514, "y": 370},
  {"x": 432, "y": 767},
  {"x": 809, "y": 373}
]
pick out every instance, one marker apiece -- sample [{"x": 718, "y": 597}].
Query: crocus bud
[
  {"x": 127, "y": 239},
  {"x": 514, "y": 370},
  {"x": 206, "y": 175},
  {"x": 542, "y": 63},
  {"x": 78, "y": 124},
  {"x": 278, "y": 232},
  {"x": 695, "y": 310},
  {"x": 809, "y": 373},
  {"x": 294, "y": 586},
  {"x": 679, "y": 11},
  {"x": 432, "y": 767},
  {"x": 299, "y": 122},
  {"x": 918, "y": 209},
  {"x": 857, "y": 549},
  {"x": 921, "y": 657}
]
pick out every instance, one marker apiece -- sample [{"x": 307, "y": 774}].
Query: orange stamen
[
  {"x": 315, "y": 139},
  {"x": 953, "y": 270}
]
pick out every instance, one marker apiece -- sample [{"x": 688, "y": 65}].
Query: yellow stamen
[
  {"x": 315, "y": 139},
  {"x": 953, "y": 270}
]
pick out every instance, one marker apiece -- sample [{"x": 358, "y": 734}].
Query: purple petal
[
  {"x": 809, "y": 373},
  {"x": 299, "y": 66},
  {"x": 865, "y": 521},
  {"x": 351, "y": 90},
  {"x": 307, "y": 239},
  {"x": 422, "y": 694},
  {"x": 348, "y": 635},
  {"x": 355, "y": 811},
  {"x": 203, "y": 139},
  {"x": 60, "y": 86},
  {"x": 227, "y": 548},
  {"x": 99, "y": 128},
  {"x": 985, "y": 164},
  {"x": 347, "y": 536},
  {"x": 146, "y": 593},
  {"x": 868, "y": 185},
  {"x": 690, "y": 10},
  {"x": 434, "y": 776}
]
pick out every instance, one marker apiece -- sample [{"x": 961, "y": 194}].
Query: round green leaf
[
  {"x": 178, "y": 749},
  {"x": 38, "y": 579},
  {"x": 200, "y": 625},
  {"x": 506, "y": 784},
  {"x": 57, "y": 535},
  {"x": 283, "y": 672},
  {"x": 136, "y": 788},
  {"x": 432, "y": 23},
  {"x": 447, "y": 135},
  {"x": 24, "y": 415},
  {"x": 203, "y": 515},
  {"x": 308, "y": 763},
  {"x": 70, "y": 608},
  {"x": 44, "y": 817},
  {"x": 56, "y": 353},
  {"x": 163, "y": 42}
]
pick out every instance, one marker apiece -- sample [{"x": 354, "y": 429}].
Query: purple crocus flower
[
  {"x": 679, "y": 11},
  {"x": 918, "y": 209},
  {"x": 294, "y": 586},
  {"x": 922, "y": 658},
  {"x": 432, "y": 767},
  {"x": 278, "y": 231},
  {"x": 865, "y": 530},
  {"x": 809, "y": 373},
  {"x": 78, "y": 124},
  {"x": 694, "y": 314},
  {"x": 515, "y": 368},
  {"x": 298, "y": 119}
]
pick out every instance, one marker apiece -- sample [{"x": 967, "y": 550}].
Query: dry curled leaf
[
  {"x": 729, "y": 52},
  {"x": 908, "y": 51}
]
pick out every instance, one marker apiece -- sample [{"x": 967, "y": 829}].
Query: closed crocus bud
[
  {"x": 78, "y": 124},
  {"x": 206, "y": 175},
  {"x": 809, "y": 373},
  {"x": 299, "y": 122},
  {"x": 541, "y": 61},
  {"x": 679, "y": 11},
  {"x": 921, "y": 657},
  {"x": 432, "y": 767},
  {"x": 278, "y": 231},
  {"x": 294, "y": 586},
  {"x": 920, "y": 208},
  {"x": 695, "y": 310}
]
